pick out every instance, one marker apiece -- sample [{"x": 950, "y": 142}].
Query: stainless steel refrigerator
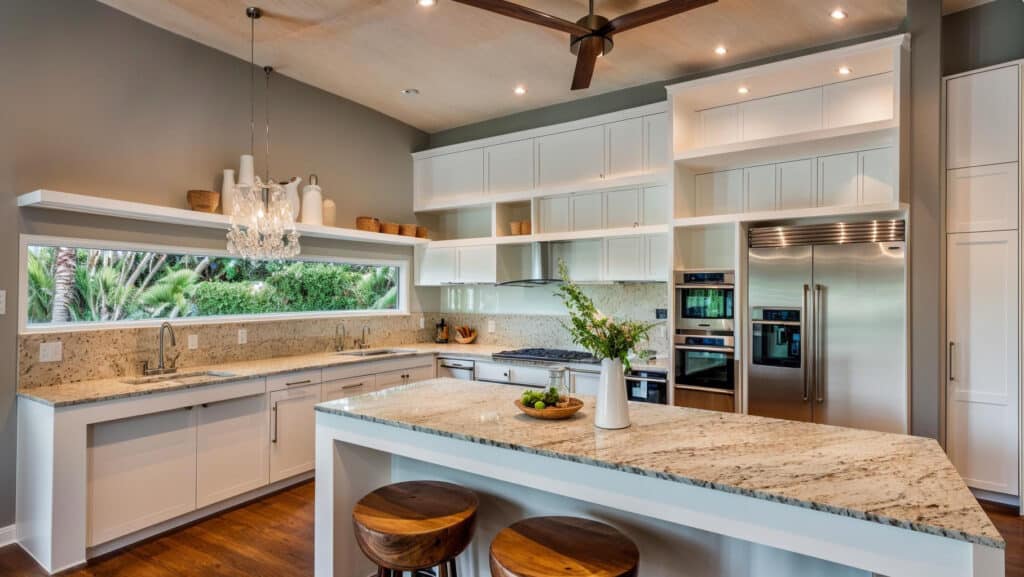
[{"x": 828, "y": 324}]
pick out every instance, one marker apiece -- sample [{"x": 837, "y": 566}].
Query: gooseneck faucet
[
  {"x": 339, "y": 344},
  {"x": 364, "y": 341},
  {"x": 161, "y": 365}
]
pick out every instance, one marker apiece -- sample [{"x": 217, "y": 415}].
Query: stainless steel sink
[
  {"x": 375, "y": 352},
  {"x": 180, "y": 377}
]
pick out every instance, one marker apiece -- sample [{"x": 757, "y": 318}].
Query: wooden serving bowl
[
  {"x": 368, "y": 223},
  {"x": 552, "y": 413},
  {"x": 390, "y": 227},
  {"x": 464, "y": 340},
  {"x": 407, "y": 229},
  {"x": 203, "y": 200}
]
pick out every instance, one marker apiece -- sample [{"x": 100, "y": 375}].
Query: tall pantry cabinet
[{"x": 983, "y": 282}]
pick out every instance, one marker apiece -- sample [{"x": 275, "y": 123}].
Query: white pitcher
[
  {"x": 612, "y": 411},
  {"x": 291, "y": 193}
]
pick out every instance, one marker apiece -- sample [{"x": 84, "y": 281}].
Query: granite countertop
[
  {"x": 97, "y": 390},
  {"x": 886, "y": 478}
]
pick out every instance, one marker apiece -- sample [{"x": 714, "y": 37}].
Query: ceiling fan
[{"x": 590, "y": 36}]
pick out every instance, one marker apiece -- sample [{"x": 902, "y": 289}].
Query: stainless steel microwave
[{"x": 705, "y": 300}]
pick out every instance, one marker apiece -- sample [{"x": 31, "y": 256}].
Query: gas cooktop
[{"x": 550, "y": 355}]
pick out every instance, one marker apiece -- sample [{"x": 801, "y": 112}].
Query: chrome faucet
[
  {"x": 161, "y": 369},
  {"x": 364, "y": 341},
  {"x": 339, "y": 345}
]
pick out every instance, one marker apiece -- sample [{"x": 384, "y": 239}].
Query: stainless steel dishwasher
[{"x": 455, "y": 369}]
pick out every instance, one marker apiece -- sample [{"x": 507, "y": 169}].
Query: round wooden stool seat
[
  {"x": 562, "y": 547},
  {"x": 415, "y": 525}
]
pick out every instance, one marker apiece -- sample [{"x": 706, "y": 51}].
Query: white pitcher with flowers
[{"x": 610, "y": 341}]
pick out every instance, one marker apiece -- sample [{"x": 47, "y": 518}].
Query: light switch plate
[
  {"x": 52, "y": 352},
  {"x": 243, "y": 336},
  {"x": 193, "y": 342},
  {"x": 490, "y": 327},
  {"x": 423, "y": 322},
  {"x": 3, "y": 302}
]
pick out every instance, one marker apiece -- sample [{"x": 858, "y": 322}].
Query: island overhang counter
[{"x": 702, "y": 493}]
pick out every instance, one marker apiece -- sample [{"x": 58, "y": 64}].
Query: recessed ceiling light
[
  {"x": 426, "y": 3},
  {"x": 519, "y": 90},
  {"x": 720, "y": 50},
  {"x": 838, "y": 14},
  {"x": 845, "y": 70},
  {"x": 743, "y": 90},
  {"x": 411, "y": 92}
]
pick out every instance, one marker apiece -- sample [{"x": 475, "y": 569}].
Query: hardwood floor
[{"x": 273, "y": 537}]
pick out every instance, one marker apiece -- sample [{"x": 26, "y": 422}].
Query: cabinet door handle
[
  {"x": 273, "y": 434},
  {"x": 353, "y": 385},
  {"x": 302, "y": 382},
  {"x": 949, "y": 361}
]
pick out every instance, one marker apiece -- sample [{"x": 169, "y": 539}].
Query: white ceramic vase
[
  {"x": 227, "y": 192},
  {"x": 291, "y": 193},
  {"x": 330, "y": 212},
  {"x": 612, "y": 411},
  {"x": 246, "y": 171}
]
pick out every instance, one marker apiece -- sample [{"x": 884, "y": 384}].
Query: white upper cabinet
[
  {"x": 655, "y": 205},
  {"x": 554, "y": 214},
  {"x": 583, "y": 258},
  {"x": 436, "y": 266},
  {"x": 720, "y": 125},
  {"x": 624, "y": 258},
  {"x": 759, "y": 188},
  {"x": 576, "y": 156},
  {"x": 450, "y": 177},
  {"x": 983, "y": 118},
  {"x": 858, "y": 101},
  {"x": 657, "y": 149},
  {"x": 782, "y": 114},
  {"x": 477, "y": 264},
  {"x": 510, "y": 167},
  {"x": 720, "y": 193},
  {"x": 981, "y": 198},
  {"x": 622, "y": 208},
  {"x": 837, "y": 180},
  {"x": 796, "y": 184},
  {"x": 587, "y": 211},
  {"x": 625, "y": 148},
  {"x": 877, "y": 175}
]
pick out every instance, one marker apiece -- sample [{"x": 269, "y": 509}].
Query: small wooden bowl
[
  {"x": 390, "y": 228},
  {"x": 515, "y": 228},
  {"x": 422, "y": 232},
  {"x": 407, "y": 230},
  {"x": 464, "y": 340},
  {"x": 368, "y": 223},
  {"x": 525, "y": 227},
  {"x": 552, "y": 413},
  {"x": 203, "y": 200}
]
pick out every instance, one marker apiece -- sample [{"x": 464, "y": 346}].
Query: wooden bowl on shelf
[
  {"x": 552, "y": 413},
  {"x": 203, "y": 200},
  {"x": 390, "y": 228},
  {"x": 525, "y": 227},
  {"x": 368, "y": 223},
  {"x": 422, "y": 232},
  {"x": 407, "y": 230},
  {"x": 515, "y": 228}
]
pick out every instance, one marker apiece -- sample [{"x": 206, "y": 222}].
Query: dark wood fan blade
[
  {"x": 590, "y": 49},
  {"x": 525, "y": 14},
  {"x": 650, "y": 14}
]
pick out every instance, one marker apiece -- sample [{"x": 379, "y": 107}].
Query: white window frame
[{"x": 26, "y": 240}]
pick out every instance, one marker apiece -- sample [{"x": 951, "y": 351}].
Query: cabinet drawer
[
  {"x": 295, "y": 379},
  {"x": 492, "y": 372},
  {"x": 982, "y": 198},
  {"x": 404, "y": 376},
  {"x": 350, "y": 387}
]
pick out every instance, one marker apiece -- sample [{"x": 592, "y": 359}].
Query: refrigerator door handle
[
  {"x": 819, "y": 381},
  {"x": 803, "y": 346},
  {"x": 949, "y": 362}
]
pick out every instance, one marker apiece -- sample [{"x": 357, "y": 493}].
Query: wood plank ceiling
[{"x": 465, "y": 62}]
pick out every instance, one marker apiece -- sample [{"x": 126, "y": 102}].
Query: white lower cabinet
[
  {"x": 983, "y": 358},
  {"x": 231, "y": 448},
  {"x": 581, "y": 383},
  {"x": 141, "y": 471},
  {"x": 404, "y": 376},
  {"x": 293, "y": 430},
  {"x": 350, "y": 387},
  {"x": 837, "y": 180}
]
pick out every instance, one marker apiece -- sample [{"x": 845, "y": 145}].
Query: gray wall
[
  {"x": 96, "y": 102},
  {"x": 982, "y": 36}
]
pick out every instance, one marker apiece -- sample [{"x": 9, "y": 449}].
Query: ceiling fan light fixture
[{"x": 838, "y": 14}]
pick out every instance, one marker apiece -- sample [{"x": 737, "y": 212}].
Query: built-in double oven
[{"x": 704, "y": 340}]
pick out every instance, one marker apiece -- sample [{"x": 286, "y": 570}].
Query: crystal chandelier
[{"x": 262, "y": 223}]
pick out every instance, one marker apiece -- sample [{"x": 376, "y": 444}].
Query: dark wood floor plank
[{"x": 273, "y": 537}]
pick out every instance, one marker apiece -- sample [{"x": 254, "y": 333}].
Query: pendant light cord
[
  {"x": 252, "y": 84},
  {"x": 268, "y": 70}
]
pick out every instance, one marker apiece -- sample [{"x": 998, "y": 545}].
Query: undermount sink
[
  {"x": 177, "y": 377},
  {"x": 375, "y": 352}
]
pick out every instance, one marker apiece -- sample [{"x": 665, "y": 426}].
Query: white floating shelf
[
  {"x": 68, "y": 202},
  {"x": 773, "y": 215},
  {"x": 791, "y": 146},
  {"x": 484, "y": 199},
  {"x": 552, "y": 236}
]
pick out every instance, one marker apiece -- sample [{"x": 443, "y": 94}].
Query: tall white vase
[
  {"x": 612, "y": 410},
  {"x": 291, "y": 194},
  {"x": 227, "y": 192},
  {"x": 246, "y": 171}
]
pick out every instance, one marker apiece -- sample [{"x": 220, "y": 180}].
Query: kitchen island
[{"x": 702, "y": 493}]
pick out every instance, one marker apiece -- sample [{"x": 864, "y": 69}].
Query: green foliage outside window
[{"x": 73, "y": 285}]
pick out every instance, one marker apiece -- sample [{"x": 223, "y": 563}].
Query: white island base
[{"x": 681, "y": 529}]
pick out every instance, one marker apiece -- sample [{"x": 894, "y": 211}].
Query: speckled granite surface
[
  {"x": 896, "y": 480},
  {"x": 97, "y": 390}
]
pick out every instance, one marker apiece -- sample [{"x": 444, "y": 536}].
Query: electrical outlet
[
  {"x": 52, "y": 352},
  {"x": 3, "y": 302},
  {"x": 423, "y": 322},
  {"x": 243, "y": 336},
  {"x": 660, "y": 314},
  {"x": 490, "y": 326},
  {"x": 193, "y": 342}
]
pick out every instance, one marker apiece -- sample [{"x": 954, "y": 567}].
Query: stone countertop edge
[{"x": 330, "y": 408}]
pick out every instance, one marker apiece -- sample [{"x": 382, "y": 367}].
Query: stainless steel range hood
[{"x": 526, "y": 265}]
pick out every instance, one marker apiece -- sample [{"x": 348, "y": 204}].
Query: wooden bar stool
[
  {"x": 562, "y": 547},
  {"x": 415, "y": 525}
]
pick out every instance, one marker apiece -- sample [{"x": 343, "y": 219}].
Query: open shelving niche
[{"x": 716, "y": 129}]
